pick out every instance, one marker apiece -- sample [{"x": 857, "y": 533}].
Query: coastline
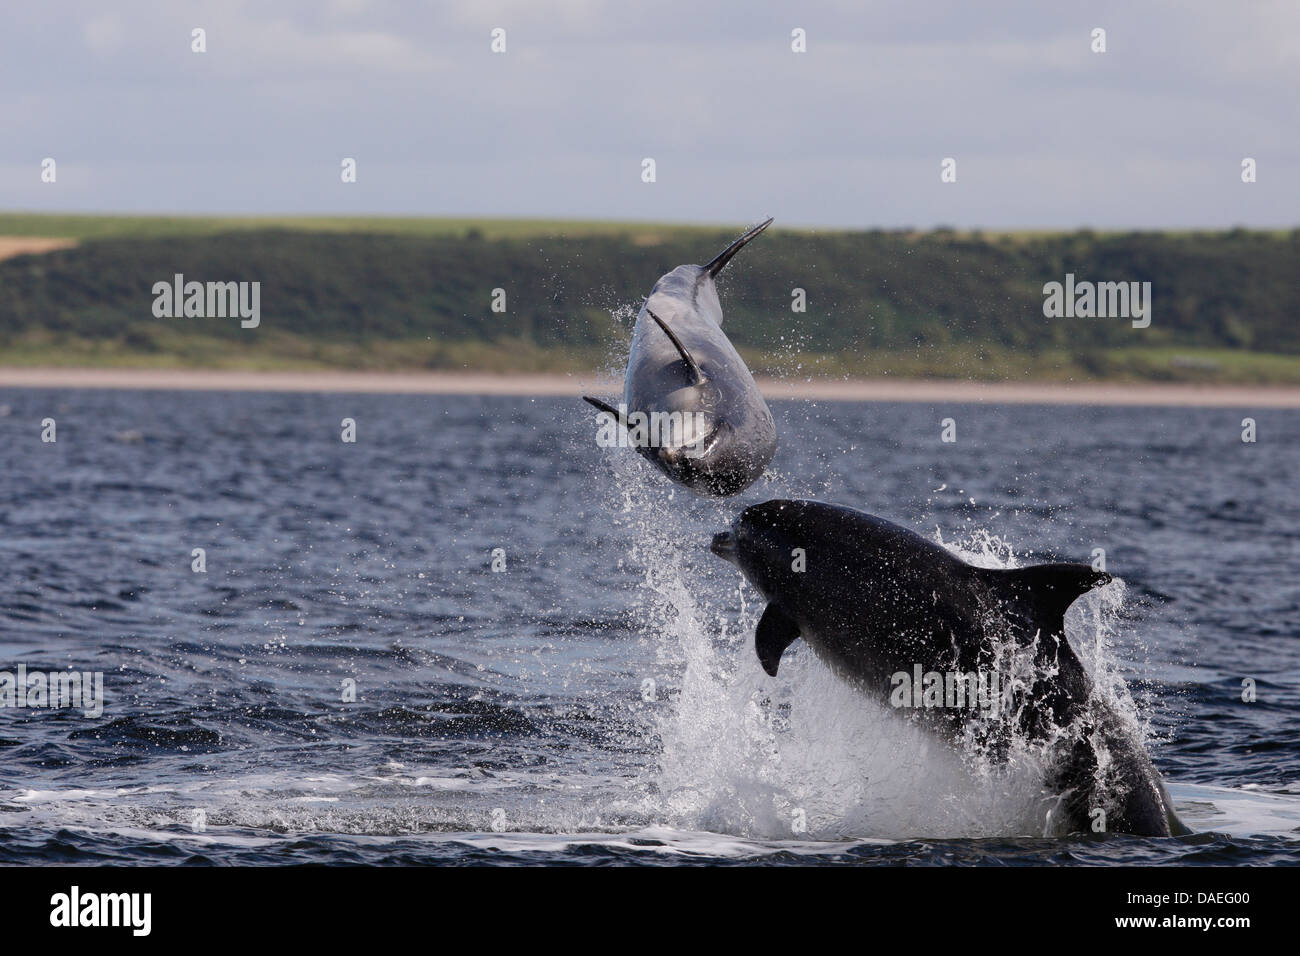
[{"x": 561, "y": 384}]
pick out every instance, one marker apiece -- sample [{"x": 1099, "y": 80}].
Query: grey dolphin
[
  {"x": 683, "y": 364},
  {"x": 875, "y": 601}
]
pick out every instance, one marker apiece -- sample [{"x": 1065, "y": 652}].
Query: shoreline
[{"x": 574, "y": 385}]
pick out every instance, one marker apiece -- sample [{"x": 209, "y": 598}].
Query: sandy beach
[
  {"x": 481, "y": 383},
  {"x": 11, "y": 246}
]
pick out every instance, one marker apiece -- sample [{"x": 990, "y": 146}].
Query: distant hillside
[{"x": 938, "y": 303}]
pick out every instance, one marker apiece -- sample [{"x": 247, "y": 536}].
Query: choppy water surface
[{"x": 599, "y": 699}]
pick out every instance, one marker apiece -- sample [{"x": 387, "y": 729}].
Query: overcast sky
[{"x": 1045, "y": 132}]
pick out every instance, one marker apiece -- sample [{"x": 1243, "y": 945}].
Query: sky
[{"x": 1045, "y": 132}]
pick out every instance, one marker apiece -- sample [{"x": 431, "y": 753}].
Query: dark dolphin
[
  {"x": 682, "y": 363},
  {"x": 875, "y": 600}
]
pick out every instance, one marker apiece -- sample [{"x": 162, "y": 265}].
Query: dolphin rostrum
[
  {"x": 690, "y": 405},
  {"x": 912, "y": 625}
]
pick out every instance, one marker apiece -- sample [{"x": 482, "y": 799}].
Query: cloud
[
  {"x": 103, "y": 34},
  {"x": 1046, "y": 132}
]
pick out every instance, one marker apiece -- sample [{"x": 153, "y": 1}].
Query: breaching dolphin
[
  {"x": 882, "y": 606},
  {"x": 689, "y": 403}
]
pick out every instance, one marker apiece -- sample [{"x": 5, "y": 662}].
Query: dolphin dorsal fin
[
  {"x": 1045, "y": 591},
  {"x": 776, "y": 631},
  {"x": 723, "y": 257},
  {"x": 697, "y": 376}
]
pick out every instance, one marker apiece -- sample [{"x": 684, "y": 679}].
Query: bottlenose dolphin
[
  {"x": 882, "y": 606},
  {"x": 682, "y": 364}
]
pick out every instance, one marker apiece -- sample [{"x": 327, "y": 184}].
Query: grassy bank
[{"x": 378, "y": 293}]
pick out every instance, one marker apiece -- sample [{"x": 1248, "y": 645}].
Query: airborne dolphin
[
  {"x": 683, "y": 369},
  {"x": 878, "y": 604}
]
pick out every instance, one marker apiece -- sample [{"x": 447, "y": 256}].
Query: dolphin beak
[{"x": 724, "y": 546}]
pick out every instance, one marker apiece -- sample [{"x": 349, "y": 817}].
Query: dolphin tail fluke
[
  {"x": 697, "y": 376},
  {"x": 1176, "y": 826},
  {"x": 776, "y": 631},
  {"x": 723, "y": 257}
]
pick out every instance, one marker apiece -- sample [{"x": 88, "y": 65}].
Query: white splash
[{"x": 805, "y": 756}]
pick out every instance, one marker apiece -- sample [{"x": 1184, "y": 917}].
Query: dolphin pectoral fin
[
  {"x": 604, "y": 408},
  {"x": 697, "y": 376},
  {"x": 776, "y": 631}
]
